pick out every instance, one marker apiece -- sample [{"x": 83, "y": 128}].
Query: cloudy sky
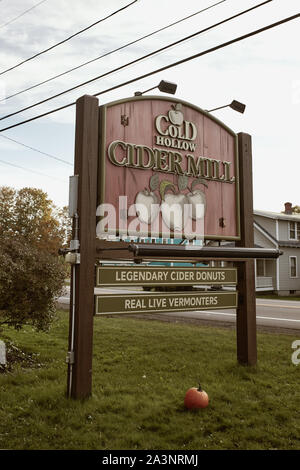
[{"x": 262, "y": 72}]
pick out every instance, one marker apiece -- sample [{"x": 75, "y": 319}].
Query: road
[
  {"x": 275, "y": 313},
  {"x": 270, "y": 313}
]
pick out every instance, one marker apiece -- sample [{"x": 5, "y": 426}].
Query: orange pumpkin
[{"x": 196, "y": 398}]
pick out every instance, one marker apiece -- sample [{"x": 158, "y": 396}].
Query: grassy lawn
[
  {"x": 278, "y": 297},
  {"x": 141, "y": 371}
]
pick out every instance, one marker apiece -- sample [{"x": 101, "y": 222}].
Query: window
[
  {"x": 260, "y": 268},
  {"x": 294, "y": 230},
  {"x": 293, "y": 266}
]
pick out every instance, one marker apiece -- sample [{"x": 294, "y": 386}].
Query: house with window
[{"x": 281, "y": 231}]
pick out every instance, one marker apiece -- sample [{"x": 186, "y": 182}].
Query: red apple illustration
[
  {"x": 146, "y": 206},
  {"x": 175, "y": 114}
]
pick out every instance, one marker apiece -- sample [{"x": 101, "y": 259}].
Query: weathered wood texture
[
  {"x": 246, "y": 311},
  {"x": 86, "y": 161},
  {"x": 212, "y": 141}
]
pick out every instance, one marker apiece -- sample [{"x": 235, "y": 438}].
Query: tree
[
  {"x": 32, "y": 275},
  {"x": 29, "y": 214},
  {"x": 65, "y": 226},
  {"x": 296, "y": 209}
]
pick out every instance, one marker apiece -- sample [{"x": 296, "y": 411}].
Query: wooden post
[
  {"x": 246, "y": 311},
  {"x": 81, "y": 318}
]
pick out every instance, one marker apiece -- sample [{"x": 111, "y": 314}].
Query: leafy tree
[
  {"x": 65, "y": 226},
  {"x": 32, "y": 230},
  {"x": 28, "y": 213},
  {"x": 296, "y": 209}
]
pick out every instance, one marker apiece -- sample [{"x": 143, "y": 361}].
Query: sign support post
[
  {"x": 246, "y": 311},
  {"x": 81, "y": 314}
]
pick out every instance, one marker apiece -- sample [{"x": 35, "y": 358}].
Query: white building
[{"x": 281, "y": 231}]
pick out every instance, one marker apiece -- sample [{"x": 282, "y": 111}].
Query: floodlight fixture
[
  {"x": 236, "y": 105},
  {"x": 164, "y": 86}
]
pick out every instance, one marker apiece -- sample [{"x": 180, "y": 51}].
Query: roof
[
  {"x": 281, "y": 243},
  {"x": 265, "y": 232},
  {"x": 278, "y": 215}
]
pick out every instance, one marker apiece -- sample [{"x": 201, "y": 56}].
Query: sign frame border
[
  {"x": 162, "y": 283},
  {"x": 166, "y": 294}
]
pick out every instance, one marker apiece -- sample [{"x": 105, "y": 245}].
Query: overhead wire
[
  {"x": 67, "y": 39},
  {"x": 93, "y": 60},
  {"x": 36, "y": 150},
  {"x": 135, "y": 61},
  {"x": 22, "y": 14},
  {"x": 29, "y": 170},
  {"x": 112, "y": 51},
  {"x": 166, "y": 67}
]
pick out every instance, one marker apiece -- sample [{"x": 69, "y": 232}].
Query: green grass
[
  {"x": 141, "y": 371},
  {"x": 278, "y": 297}
]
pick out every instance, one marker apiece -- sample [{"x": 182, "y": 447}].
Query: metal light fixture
[
  {"x": 236, "y": 105},
  {"x": 165, "y": 87}
]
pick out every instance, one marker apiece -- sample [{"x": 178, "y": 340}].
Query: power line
[
  {"x": 112, "y": 51},
  {"x": 161, "y": 69},
  {"x": 22, "y": 14},
  {"x": 30, "y": 171},
  {"x": 36, "y": 150},
  {"x": 67, "y": 39},
  {"x": 135, "y": 61}
]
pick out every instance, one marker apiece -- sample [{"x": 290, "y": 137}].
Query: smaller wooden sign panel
[
  {"x": 163, "y": 302},
  {"x": 163, "y": 276}
]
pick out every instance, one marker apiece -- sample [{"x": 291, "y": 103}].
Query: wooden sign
[
  {"x": 163, "y": 302},
  {"x": 166, "y": 147},
  {"x": 163, "y": 276},
  {"x": 158, "y": 153}
]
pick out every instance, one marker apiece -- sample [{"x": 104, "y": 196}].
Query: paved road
[{"x": 275, "y": 313}]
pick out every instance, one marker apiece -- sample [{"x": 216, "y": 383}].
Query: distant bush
[{"x": 30, "y": 281}]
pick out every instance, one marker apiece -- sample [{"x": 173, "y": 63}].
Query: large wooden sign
[
  {"x": 159, "y": 153},
  {"x": 148, "y": 154},
  {"x": 154, "y": 303},
  {"x": 163, "y": 276}
]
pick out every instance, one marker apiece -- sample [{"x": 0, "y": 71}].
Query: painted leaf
[
  {"x": 177, "y": 106},
  {"x": 154, "y": 182},
  {"x": 182, "y": 182},
  {"x": 199, "y": 181},
  {"x": 163, "y": 187}
]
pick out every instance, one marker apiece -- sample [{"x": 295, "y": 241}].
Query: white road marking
[
  {"x": 211, "y": 312},
  {"x": 281, "y": 305},
  {"x": 258, "y": 316}
]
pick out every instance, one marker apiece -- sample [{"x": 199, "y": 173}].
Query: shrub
[{"x": 30, "y": 281}]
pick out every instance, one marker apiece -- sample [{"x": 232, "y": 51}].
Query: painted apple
[
  {"x": 175, "y": 114},
  {"x": 174, "y": 212},
  {"x": 146, "y": 206},
  {"x": 197, "y": 201}
]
